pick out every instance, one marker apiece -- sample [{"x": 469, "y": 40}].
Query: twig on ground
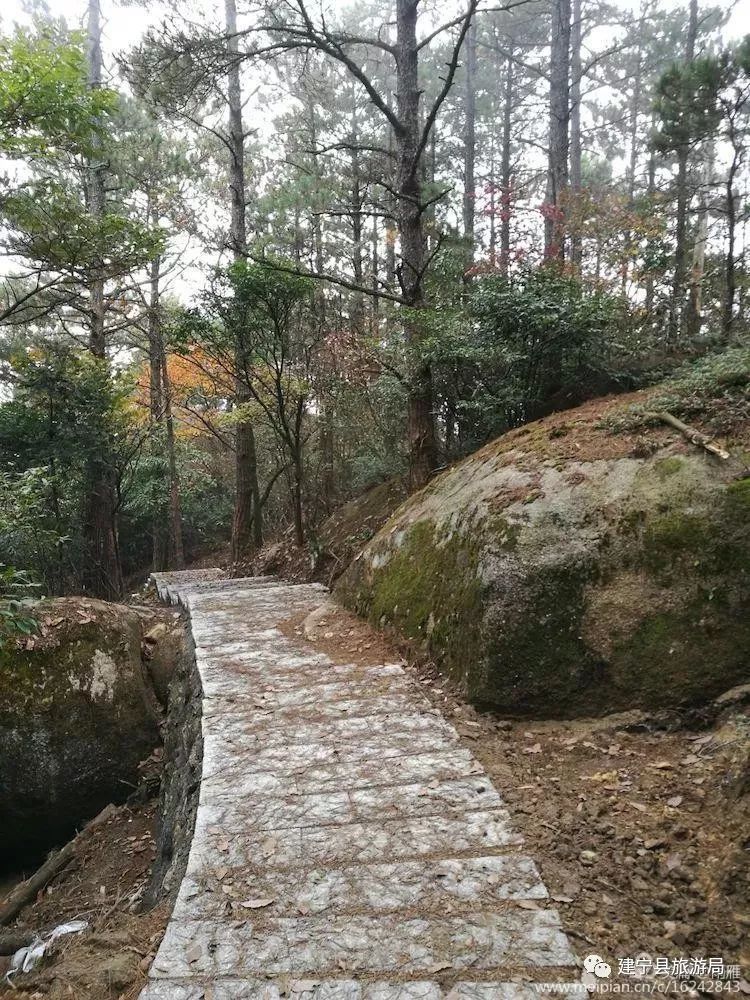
[{"x": 694, "y": 436}]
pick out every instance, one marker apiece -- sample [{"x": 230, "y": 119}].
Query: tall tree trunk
[
  {"x": 391, "y": 226},
  {"x": 104, "y": 570},
  {"x": 420, "y": 418},
  {"x": 357, "y": 229},
  {"x": 559, "y": 131},
  {"x": 694, "y": 316},
  {"x": 651, "y": 190},
  {"x": 430, "y": 174},
  {"x": 159, "y": 529},
  {"x": 676, "y": 306},
  {"x": 470, "y": 114},
  {"x": 730, "y": 280},
  {"x": 493, "y": 209},
  {"x": 168, "y": 547},
  {"x": 634, "y": 139},
  {"x": 299, "y": 526},
  {"x": 322, "y": 311},
  {"x": 694, "y": 313},
  {"x": 176, "y": 550},
  {"x": 247, "y": 519},
  {"x": 576, "y": 151},
  {"x": 375, "y": 269},
  {"x": 506, "y": 180}
]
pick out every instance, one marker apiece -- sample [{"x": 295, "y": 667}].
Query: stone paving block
[
  {"x": 364, "y": 944},
  {"x": 225, "y": 752},
  {"x": 317, "y": 712},
  {"x": 307, "y": 847},
  {"x": 311, "y": 989},
  {"x": 434, "y": 886},
  {"x": 503, "y": 991},
  {"x": 235, "y": 724},
  {"x": 258, "y": 686},
  {"x": 305, "y": 778},
  {"x": 289, "y": 674},
  {"x": 441, "y": 766},
  {"x": 253, "y": 690},
  {"x": 260, "y": 812},
  {"x": 223, "y": 646},
  {"x": 412, "y": 837}
]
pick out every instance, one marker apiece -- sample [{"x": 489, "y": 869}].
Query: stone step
[
  {"x": 363, "y": 944},
  {"x": 470, "y": 833},
  {"x": 342, "y": 989},
  {"x": 241, "y": 809},
  {"x": 431, "y": 886},
  {"x": 294, "y": 758},
  {"x": 306, "y": 779}
]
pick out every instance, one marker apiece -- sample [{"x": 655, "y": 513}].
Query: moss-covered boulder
[
  {"x": 594, "y": 561},
  {"x": 77, "y": 715}
]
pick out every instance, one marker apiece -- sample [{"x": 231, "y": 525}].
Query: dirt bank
[{"x": 103, "y": 885}]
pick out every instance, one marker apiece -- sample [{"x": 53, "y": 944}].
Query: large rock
[
  {"x": 77, "y": 714},
  {"x": 567, "y": 570}
]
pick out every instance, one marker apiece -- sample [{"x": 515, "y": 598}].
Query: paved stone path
[{"x": 347, "y": 847}]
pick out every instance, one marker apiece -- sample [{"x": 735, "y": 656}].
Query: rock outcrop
[
  {"x": 162, "y": 649},
  {"x": 568, "y": 569},
  {"x": 77, "y": 715}
]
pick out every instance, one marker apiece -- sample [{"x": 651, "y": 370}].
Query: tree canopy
[{"x": 275, "y": 254}]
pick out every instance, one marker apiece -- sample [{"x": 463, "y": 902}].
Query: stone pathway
[{"x": 347, "y": 847}]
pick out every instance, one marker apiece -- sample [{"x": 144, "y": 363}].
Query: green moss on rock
[
  {"x": 683, "y": 656},
  {"x": 630, "y": 588},
  {"x": 535, "y": 656},
  {"x": 429, "y": 589},
  {"x": 669, "y": 466}
]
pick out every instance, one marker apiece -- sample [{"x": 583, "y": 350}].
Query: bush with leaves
[
  {"x": 16, "y": 604},
  {"x": 525, "y": 338}
]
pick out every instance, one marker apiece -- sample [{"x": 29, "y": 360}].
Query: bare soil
[
  {"x": 102, "y": 885},
  {"x": 641, "y": 832}
]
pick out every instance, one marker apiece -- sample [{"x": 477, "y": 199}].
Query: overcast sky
[{"x": 124, "y": 24}]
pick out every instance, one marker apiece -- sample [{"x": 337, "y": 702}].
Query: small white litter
[{"x": 26, "y": 958}]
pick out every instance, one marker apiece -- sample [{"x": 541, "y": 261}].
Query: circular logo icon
[{"x": 596, "y": 965}]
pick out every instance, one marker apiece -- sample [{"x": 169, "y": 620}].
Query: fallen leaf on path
[
  {"x": 258, "y": 904},
  {"x": 194, "y": 954}
]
